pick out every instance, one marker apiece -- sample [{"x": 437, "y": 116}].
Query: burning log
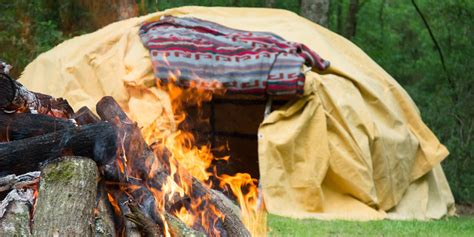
[
  {"x": 67, "y": 196},
  {"x": 15, "y": 213},
  {"x": 176, "y": 227},
  {"x": 130, "y": 168},
  {"x": 98, "y": 141},
  {"x": 232, "y": 223},
  {"x": 143, "y": 222},
  {"x": 16, "y": 98},
  {"x": 135, "y": 146},
  {"x": 179, "y": 229}
]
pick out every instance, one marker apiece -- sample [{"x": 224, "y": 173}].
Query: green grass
[{"x": 454, "y": 226}]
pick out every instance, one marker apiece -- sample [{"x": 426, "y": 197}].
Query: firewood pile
[{"x": 72, "y": 173}]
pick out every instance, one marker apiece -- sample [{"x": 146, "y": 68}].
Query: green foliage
[
  {"x": 393, "y": 34},
  {"x": 390, "y": 31},
  {"x": 26, "y": 32}
]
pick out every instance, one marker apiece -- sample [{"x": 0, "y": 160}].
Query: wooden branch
[
  {"x": 15, "y": 213},
  {"x": 14, "y": 97},
  {"x": 451, "y": 82},
  {"x": 98, "y": 141},
  {"x": 67, "y": 194},
  {"x": 24, "y": 125}
]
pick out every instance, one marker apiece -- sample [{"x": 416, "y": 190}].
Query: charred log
[
  {"x": 85, "y": 116},
  {"x": 146, "y": 225},
  {"x": 132, "y": 143},
  {"x": 67, "y": 194},
  {"x": 24, "y": 125},
  {"x": 14, "y": 97},
  {"x": 98, "y": 141}
]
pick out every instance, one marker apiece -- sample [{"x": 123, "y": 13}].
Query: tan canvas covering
[{"x": 353, "y": 147}]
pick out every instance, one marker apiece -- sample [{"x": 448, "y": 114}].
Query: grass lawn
[{"x": 454, "y": 226}]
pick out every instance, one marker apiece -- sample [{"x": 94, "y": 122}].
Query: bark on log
[
  {"x": 145, "y": 224},
  {"x": 104, "y": 223},
  {"x": 178, "y": 229},
  {"x": 24, "y": 125},
  {"x": 98, "y": 141},
  {"x": 66, "y": 200},
  {"x": 15, "y": 221}
]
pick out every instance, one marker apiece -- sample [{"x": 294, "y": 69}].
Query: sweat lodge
[{"x": 340, "y": 139}]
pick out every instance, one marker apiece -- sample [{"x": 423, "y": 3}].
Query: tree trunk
[
  {"x": 66, "y": 200},
  {"x": 340, "y": 19},
  {"x": 315, "y": 10},
  {"x": 351, "y": 23},
  {"x": 269, "y": 3},
  {"x": 102, "y": 13}
]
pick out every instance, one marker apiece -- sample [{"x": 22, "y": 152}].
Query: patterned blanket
[{"x": 190, "y": 50}]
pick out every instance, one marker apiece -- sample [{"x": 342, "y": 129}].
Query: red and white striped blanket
[{"x": 194, "y": 50}]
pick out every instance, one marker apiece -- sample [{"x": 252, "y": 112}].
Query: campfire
[{"x": 75, "y": 173}]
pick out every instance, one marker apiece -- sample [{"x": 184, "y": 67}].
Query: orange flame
[{"x": 197, "y": 160}]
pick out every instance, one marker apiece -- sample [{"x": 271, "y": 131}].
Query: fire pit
[{"x": 103, "y": 175}]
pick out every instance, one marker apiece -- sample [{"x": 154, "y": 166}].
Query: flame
[
  {"x": 245, "y": 189},
  {"x": 114, "y": 204},
  {"x": 169, "y": 135},
  {"x": 197, "y": 160}
]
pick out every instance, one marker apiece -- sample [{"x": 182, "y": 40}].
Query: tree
[
  {"x": 269, "y": 3},
  {"x": 315, "y": 10},
  {"x": 351, "y": 22},
  {"x": 105, "y": 12}
]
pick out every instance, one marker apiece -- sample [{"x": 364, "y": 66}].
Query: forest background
[{"x": 426, "y": 45}]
